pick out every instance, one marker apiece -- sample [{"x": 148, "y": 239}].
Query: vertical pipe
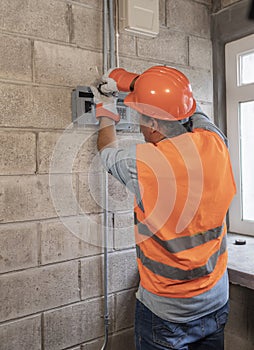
[
  {"x": 105, "y": 228},
  {"x": 105, "y": 36},
  {"x": 111, "y": 34},
  {"x": 117, "y": 33},
  {"x": 105, "y": 187}
]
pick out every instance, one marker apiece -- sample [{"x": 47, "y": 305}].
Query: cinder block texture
[
  {"x": 124, "y": 230},
  {"x": 123, "y": 272},
  {"x": 127, "y": 44},
  {"x": 87, "y": 27},
  {"x": 168, "y": 46},
  {"x": 91, "y": 277},
  {"x": 90, "y": 3},
  {"x": 66, "y": 240},
  {"x": 45, "y": 19},
  {"x": 17, "y": 153},
  {"x": 30, "y": 291},
  {"x": 91, "y": 194},
  {"x": 88, "y": 158},
  {"x": 39, "y": 107},
  {"x": 47, "y": 142},
  {"x": 123, "y": 340},
  {"x": 31, "y": 197},
  {"x": 188, "y": 16},
  {"x": 74, "y": 324},
  {"x": 201, "y": 82},
  {"x": 21, "y": 335},
  {"x": 16, "y": 57},
  {"x": 120, "y": 198},
  {"x": 69, "y": 151},
  {"x": 65, "y": 65},
  {"x": 200, "y": 53},
  {"x": 136, "y": 65},
  {"x": 125, "y": 309},
  {"x": 18, "y": 244}
]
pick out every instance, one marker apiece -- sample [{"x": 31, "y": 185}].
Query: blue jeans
[{"x": 154, "y": 333}]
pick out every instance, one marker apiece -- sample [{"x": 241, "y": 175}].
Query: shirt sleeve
[
  {"x": 201, "y": 121},
  {"x": 121, "y": 163}
]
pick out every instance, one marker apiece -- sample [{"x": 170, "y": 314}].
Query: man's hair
[{"x": 171, "y": 128}]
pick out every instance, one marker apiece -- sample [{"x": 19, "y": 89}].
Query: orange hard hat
[{"x": 162, "y": 92}]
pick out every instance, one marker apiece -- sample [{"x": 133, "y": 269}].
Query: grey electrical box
[
  {"x": 124, "y": 113},
  {"x": 84, "y": 109}
]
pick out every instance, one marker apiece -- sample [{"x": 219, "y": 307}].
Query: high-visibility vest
[{"x": 186, "y": 185}]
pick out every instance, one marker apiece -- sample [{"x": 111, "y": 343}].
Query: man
[{"x": 183, "y": 185}]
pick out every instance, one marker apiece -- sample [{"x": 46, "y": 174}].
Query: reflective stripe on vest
[
  {"x": 178, "y": 274},
  {"x": 181, "y": 243},
  {"x": 186, "y": 184}
]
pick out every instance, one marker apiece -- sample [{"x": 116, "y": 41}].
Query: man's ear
[{"x": 154, "y": 125}]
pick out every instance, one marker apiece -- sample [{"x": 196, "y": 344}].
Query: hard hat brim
[{"x": 155, "y": 112}]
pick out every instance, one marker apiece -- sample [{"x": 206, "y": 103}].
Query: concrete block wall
[{"x": 51, "y": 257}]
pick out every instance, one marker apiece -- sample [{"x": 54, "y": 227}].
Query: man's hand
[
  {"x": 108, "y": 86},
  {"x": 117, "y": 79},
  {"x": 105, "y": 106},
  {"x": 107, "y": 114}
]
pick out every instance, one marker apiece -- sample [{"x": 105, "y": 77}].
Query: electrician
[{"x": 183, "y": 185}]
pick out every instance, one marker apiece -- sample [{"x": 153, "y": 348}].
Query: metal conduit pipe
[
  {"x": 105, "y": 277},
  {"x": 111, "y": 34},
  {"x": 105, "y": 186},
  {"x": 105, "y": 36},
  {"x": 117, "y": 32}
]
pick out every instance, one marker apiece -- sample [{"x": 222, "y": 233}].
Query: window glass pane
[
  {"x": 247, "y": 68},
  {"x": 247, "y": 159}
]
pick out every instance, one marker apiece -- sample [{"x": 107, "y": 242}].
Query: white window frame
[{"x": 235, "y": 94}]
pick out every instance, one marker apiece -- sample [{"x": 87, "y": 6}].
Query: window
[{"x": 239, "y": 56}]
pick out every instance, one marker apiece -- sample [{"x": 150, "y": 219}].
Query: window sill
[{"x": 240, "y": 261}]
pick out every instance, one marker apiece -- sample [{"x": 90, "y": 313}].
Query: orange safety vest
[{"x": 186, "y": 185}]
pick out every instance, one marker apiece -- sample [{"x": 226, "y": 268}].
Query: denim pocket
[
  {"x": 221, "y": 316},
  {"x": 168, "y": 334}
]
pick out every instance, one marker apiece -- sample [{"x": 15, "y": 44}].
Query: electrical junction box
[
  {"x": 84, "y": 109},
  {"x": 140, "y": 17}
]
